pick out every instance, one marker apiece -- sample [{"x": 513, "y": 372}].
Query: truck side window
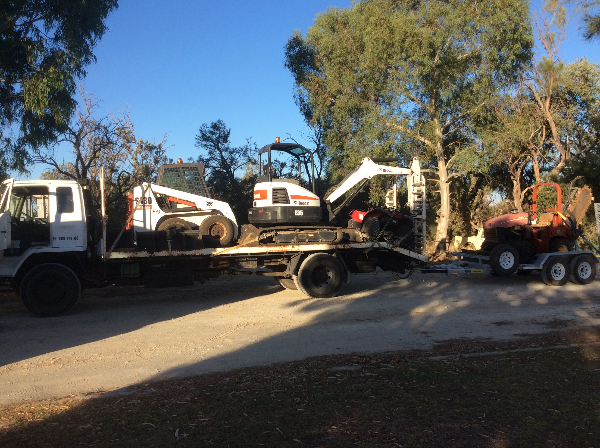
[{"x": 64, "y": 200}]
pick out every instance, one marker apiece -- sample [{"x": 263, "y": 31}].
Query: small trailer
[{"x": 556, "y": 268}]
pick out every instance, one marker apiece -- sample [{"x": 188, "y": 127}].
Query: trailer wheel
[
  {"x": 174, "y": 224},
  {"x": 218, "y": 230},
  {"x": 320, "y": 276},
  {"x": 286, "y": 283},
  {"x": 504, "y": 259},
  {"x": 583, "y": 269},
  {"x": 50, "y": 289},
  {"x": 556, "y": 271}
]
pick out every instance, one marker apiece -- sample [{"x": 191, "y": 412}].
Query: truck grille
[
  {"x": 280, "y": 196},
  {"x": 490, "y": 235}
]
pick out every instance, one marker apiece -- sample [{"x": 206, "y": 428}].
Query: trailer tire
[
  {"x": 287, "y": 283},
  {"x": 50, "y": 289},
  {"x": 555, "y": 271},
  {"x": 504, "y": 259},
  {"x": 174, "y": 224},
  {"x": 320, "y": 276},
  {"x": 583, "y": 269},
  {"x": 217, "y": 231}
]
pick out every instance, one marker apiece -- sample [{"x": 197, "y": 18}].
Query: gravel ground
[{"x": 120, "y": 336}]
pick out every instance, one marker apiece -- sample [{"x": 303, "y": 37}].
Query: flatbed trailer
[{"x": 557, "y": 268}]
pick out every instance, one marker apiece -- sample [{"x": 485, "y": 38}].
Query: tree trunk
[{"x": 441, "y": 234}]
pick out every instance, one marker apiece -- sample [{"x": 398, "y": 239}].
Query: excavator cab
[{"x": 280, "y": 201}]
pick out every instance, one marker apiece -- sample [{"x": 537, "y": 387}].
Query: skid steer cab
[{"x": 180, "y": 201}]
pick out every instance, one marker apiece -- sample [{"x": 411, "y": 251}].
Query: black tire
[
  {"x": 583, "y": 269},
  {"x": 352, "y": 224},
  {"x": 559, "y": 245},
  {"x": 50, "y": 289},
  {"x": 217, "y": 231},
  {"x": 371, "y": 227},
  {"x": 287, "y": 283},
  {"x": 555, "y": 271},
  {"x": 320, "y": 276},
  {"x": 174, "y": 224},
  {"x": 504, "y": 259}
]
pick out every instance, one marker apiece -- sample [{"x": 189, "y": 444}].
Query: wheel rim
[
  {"x": 506, "y": 260},
  {"x": 557, "y": 272},
  {"x": 217, "y": 231},
  {"x": 584, "y": 270},
  {"x": 322, "y": 277}
]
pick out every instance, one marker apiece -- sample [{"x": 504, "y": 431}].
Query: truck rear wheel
[
  {"x": 218, "y": 230},
  {"x": 50, "y": 289},
  {"x": 286, "y": 283},
  {"x": 583, "y": 269},
  {"x": 555, "y": 271},
  {"x": 320, "y": 276},
  {"x": 504, "y": 259}
]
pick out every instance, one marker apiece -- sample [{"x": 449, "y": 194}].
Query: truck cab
[{"x": 42, "y": 216}]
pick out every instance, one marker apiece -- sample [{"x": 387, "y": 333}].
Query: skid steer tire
[
  {"x": 555, "y": 271},
  {"x": 320, "y": 276},
  {"x": 50, "y": 289},
  {"x": 174, "y": 224},
  {"x": 217, "y": 231},
  {"x": 504, "y": 259},
  {"x": 583, "y": 269}
]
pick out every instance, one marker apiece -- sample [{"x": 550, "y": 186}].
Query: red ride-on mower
[
  {"x": 516, "y": 238},
  {"x": 379, "y": 223}
]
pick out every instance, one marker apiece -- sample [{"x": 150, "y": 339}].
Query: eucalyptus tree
[
  {"x": 44, "y": 48},
  {"x": 408, "y": 75}
]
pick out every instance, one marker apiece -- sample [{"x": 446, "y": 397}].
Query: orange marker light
[{"x": 277, "y": 139}]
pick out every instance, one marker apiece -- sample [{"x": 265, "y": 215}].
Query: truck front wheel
[{"x": 50, "y": 289}]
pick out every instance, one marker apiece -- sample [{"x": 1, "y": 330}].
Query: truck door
[
  {"x": 68, "y": 219},
  {"x": 5, "y": 233}
]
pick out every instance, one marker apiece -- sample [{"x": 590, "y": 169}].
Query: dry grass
[{"x": 541, "y": 391}]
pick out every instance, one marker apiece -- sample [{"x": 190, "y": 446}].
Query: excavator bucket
[{"x": 581, "y": 203}]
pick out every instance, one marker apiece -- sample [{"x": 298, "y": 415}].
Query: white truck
[{"x": 52, "y": 247}]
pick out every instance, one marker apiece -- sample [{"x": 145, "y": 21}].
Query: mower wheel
[
  {"x": 371, "y": 227},
  {"x": 559, "y": 245}
]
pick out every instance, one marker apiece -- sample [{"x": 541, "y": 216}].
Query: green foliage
[
  {"x": 591, "y": 20},
  {"x": 223, "y": 162},
  {"x": 44, "y": 48},
  {"x": 405, "y": 77}
]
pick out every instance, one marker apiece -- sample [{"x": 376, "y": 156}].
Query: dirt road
[{"x": 120, "y": 336}]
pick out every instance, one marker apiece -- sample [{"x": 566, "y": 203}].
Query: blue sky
[{"x": 179, "y": 64}]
